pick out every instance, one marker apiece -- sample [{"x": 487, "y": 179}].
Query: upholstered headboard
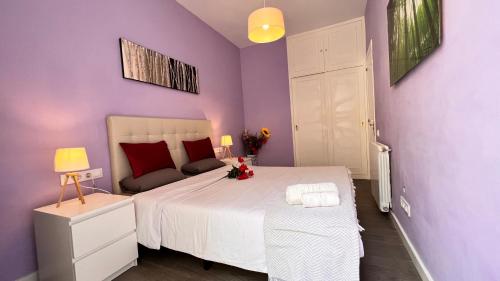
[{"x": 130, "y": 129}]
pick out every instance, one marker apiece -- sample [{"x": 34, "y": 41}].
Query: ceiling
[{"x": 229, "y": 17}]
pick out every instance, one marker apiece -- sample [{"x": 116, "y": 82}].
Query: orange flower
[{"x": 265, "y": 132}]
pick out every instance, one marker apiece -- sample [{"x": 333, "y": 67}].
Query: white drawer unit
[
  {"x": 95, "y": 241},
  {"x": 89, "y": 235},
  {"x": 106, "y": 262}
]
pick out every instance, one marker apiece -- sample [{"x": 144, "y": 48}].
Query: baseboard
[
  {"x": 34, "y": 275},
  {"x": 415, "y": 257},
  {"x": 30, "y": 277}
]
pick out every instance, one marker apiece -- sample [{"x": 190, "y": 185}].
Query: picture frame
[
  {"x": 146, "y": 65},
  {"x": 415, "y": 32}
]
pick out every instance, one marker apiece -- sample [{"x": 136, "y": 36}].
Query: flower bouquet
[
  {"x": 242, "y": 172},
  {"x": 253, "y": 143}
]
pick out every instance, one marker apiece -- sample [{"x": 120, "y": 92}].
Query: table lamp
[
  {"x": 226, "y": 141},
  {"x": 70, "y": 160}
]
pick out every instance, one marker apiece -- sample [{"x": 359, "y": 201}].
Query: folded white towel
[
  {"x": 294, "y": 192},
  {"x": 320, "y": 199}
]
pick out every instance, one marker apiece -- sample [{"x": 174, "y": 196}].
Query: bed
[{"x": 246, "y": 224}]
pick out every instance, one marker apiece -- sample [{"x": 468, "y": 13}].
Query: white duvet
[{"x": 220, "y": 219}]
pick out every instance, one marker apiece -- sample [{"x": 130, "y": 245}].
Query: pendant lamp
[{"x": 266, "y": 25}]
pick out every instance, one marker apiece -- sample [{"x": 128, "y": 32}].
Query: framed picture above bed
[
  {"x": 415, "y": 31},
  {"x": 142, "y": 64}
]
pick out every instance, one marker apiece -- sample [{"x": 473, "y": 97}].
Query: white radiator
[{"x": 380, "y": 174}]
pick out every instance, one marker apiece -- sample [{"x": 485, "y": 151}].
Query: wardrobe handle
[
  {"x": 371, "y": 122},
  {"x": 296, "y": 127}
]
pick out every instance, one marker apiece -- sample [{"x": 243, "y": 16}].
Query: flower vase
[{"x": 253, "y": 159}]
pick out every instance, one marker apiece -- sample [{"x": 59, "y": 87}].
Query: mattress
[{"x": 222, "y": 220}]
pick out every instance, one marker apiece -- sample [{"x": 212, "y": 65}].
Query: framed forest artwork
[
  {"x": 415, "y": 31},
  {"x": 142, "y": 64}
]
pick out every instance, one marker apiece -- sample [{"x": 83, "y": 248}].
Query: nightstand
[
  {"x": 94, "y": 241},
  {"x": 234, "y": 161}
]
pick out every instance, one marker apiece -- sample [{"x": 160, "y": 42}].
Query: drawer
[
  {"x": 105, "y": 262},
  {"x": 96, "y": 232}
]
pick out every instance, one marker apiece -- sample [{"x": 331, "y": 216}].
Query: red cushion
[
  {"x": 147, "y": 157},
  {"x": 199, "y": 149}
]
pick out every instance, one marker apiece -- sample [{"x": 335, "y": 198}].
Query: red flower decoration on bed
[
  {"x": 243, "y": 176},
  {"x": 240, "y": 171},
  {"x": 243, "y": 168}
]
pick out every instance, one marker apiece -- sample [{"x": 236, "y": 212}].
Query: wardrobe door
[
  {"x": 309, "y": 120},
  {"x": 347, "y": 111},
  {"x": 305, "y": 54},
  {"x": 345, "y": 46}
]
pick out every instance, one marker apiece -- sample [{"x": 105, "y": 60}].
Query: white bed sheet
[{"x": 220, "y": 219}]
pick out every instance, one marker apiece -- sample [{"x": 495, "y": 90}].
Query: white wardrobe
[{"x": 328, "y": 97}]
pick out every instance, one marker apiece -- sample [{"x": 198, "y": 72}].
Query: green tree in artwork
[
  {"x": 414, "y": 33},
  {"x": 418, "y": 47}
]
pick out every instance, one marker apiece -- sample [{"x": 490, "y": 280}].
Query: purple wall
[
  {"x": 442, "y": 124},
  {"x": 264, "y": 72},
  {"x": 60, "y": 76}
]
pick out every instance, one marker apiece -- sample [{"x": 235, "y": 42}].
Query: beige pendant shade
[{"x": 266, "y": 25}]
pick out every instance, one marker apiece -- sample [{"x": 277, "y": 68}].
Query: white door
[
  {"x": 345, "y": 46},
  {"x": 305, "y": 54},
  {"x": 345, "y": 91},
  {"x": 310, "y": 128}
]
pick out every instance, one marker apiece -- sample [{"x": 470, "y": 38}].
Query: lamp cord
[{"x": 93, "y": 187}]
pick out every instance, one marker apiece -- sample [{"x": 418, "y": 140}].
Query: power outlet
[
  {"x": 84, "y": 176},
  {"x": 405, "y": 205}
]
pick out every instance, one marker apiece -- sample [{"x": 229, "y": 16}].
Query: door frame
[
  {"x": 372, "y": 94},
  {"x": 292, "y": 111}
]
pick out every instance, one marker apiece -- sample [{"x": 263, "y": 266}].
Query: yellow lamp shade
[
  {"x": 71, "y": 159},
  {"x": 226, "y": 140},
  {"x": 266, "y": 25}
]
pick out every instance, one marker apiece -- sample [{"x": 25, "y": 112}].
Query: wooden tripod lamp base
[
  {"x": 74, "y": 176},
  {"x": 227, "y": 152}
]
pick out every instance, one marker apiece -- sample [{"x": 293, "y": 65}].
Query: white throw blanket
[
  {"x": 294, "y": 192},
  {"x": 314, "y": 243}
]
